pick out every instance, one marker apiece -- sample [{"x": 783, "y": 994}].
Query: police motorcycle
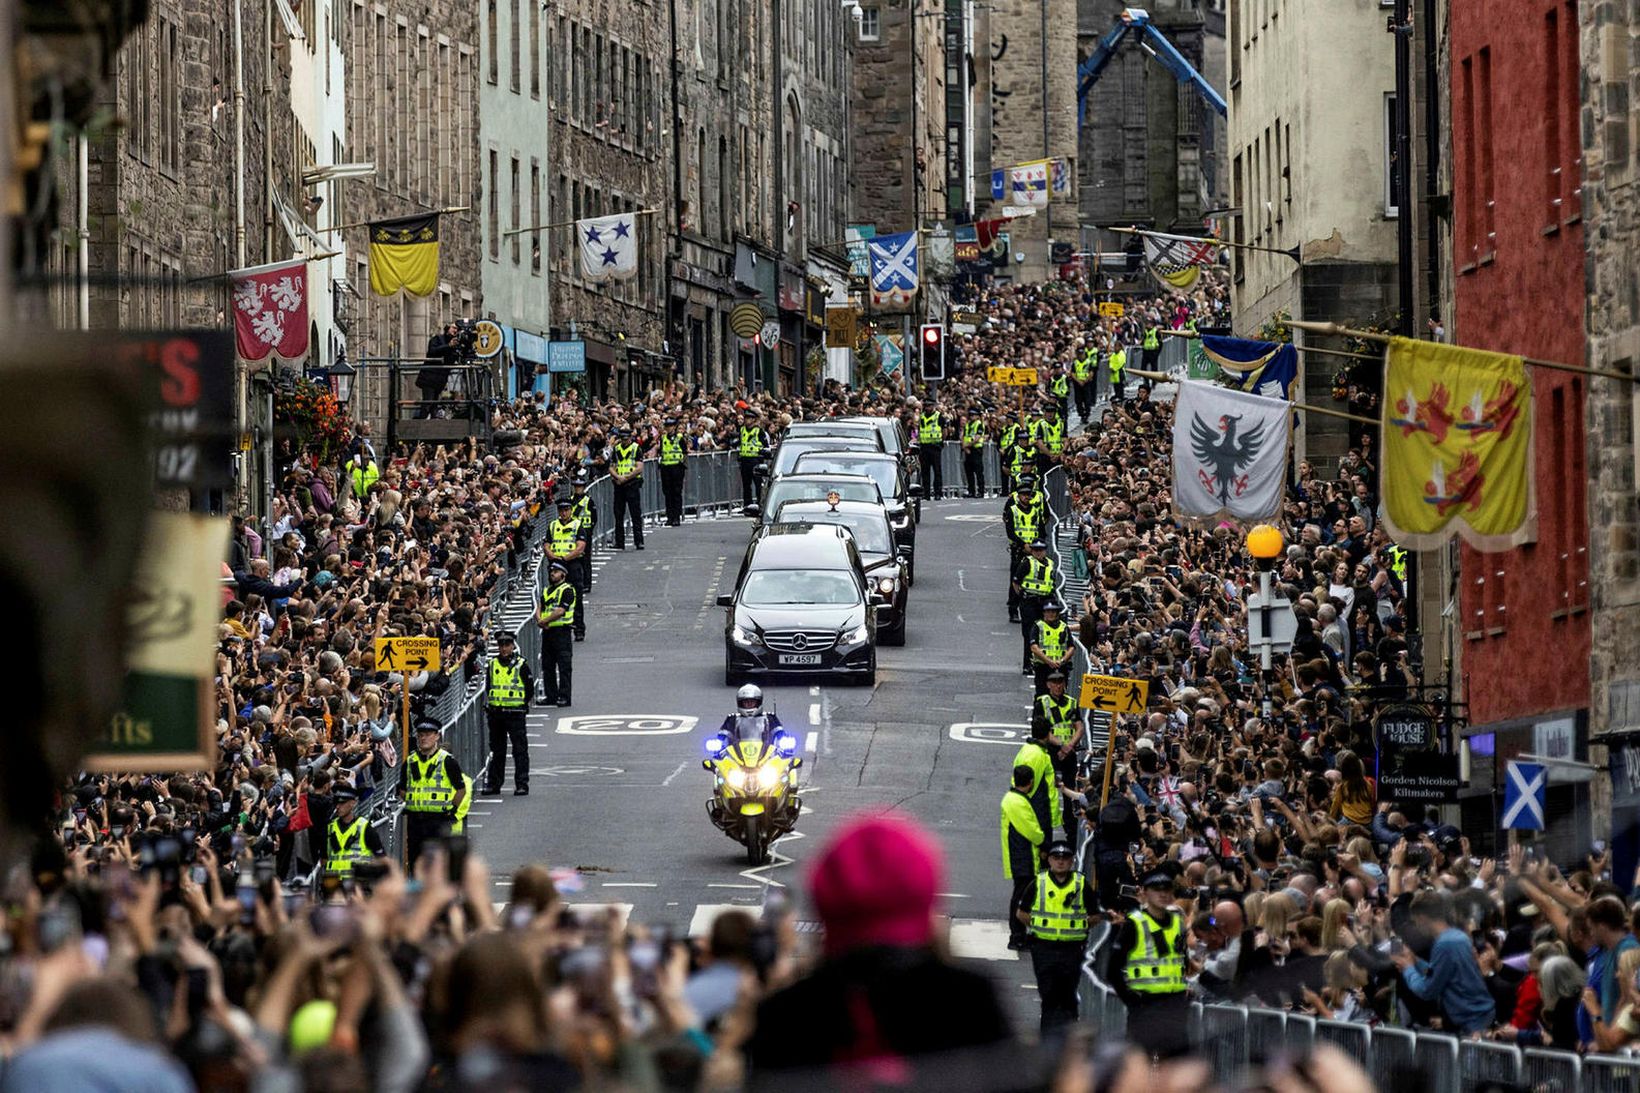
[{"x": 753, "y": 760}]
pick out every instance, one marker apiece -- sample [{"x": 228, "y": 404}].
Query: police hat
[
  {"x": 581, "y": 479},
  {"x": 565, "y": 502},
  {"x": 622, "y": 430},
  {"x": 1052, "y": 605},
  {"x": 1056, "y": 676},
  {"x": 343, "y": 793},
  {"x": 559, "y": 566},
  {"x": 428, "y": 725},
  {"x": 1039, "y": 545},
  {"x": 1022, "y": 487},
  {"x": 506, "y": 638},
  {"x": 1157, "y": 878},
  {"x": 1061, "y": 846},
  {"x": 671, "y": 421}
]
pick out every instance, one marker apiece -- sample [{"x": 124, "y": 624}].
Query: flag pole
[
  {"x": 1300, "y": 348},
  {"x": 1292, "y": 252},
  {"x": 367, "y": 223},
  {"x": 572, "y": 223},
  {"x": 1342, "y": 331},
  {"x": 1304, "y": 406}
]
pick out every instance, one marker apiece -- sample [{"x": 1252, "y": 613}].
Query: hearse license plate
[{"x": 800, "y": 658}]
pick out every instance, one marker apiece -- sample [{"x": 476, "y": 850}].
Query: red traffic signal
[
  {"x": 932, "y": 334},
  {"x": 932, "y": 356}
]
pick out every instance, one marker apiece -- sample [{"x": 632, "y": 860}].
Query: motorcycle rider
[{"x": 749, "y": 717}]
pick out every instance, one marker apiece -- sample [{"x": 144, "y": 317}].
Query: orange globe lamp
[{"x": 1264, "y": 543}]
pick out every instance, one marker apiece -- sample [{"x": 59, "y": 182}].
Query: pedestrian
[
  {"x": 1054, "y": 906},
  {"x": 1051, "y": 645},
  {"x": 1022, "y": 838},
  {"x": 626, "y": 473},
  {"x": 674, "y": 460},
  {"x": 507, "y": 703},
  {"x": 1033, "y": 581},
  {"x": 568, "y": 540},
  {"x": 752, "y": 448},
  {"x": 362, "y": 473},
  {"x": 1451, "y": 976},
  {"x": 433, "y": 789},
  {"x": 931, "y": 448},
  {"x": 973, "y": 453},
  {"x": 1146, "y": 967},
  {"x": 557, "y": 619},
  {"x": 443, "y": 353},
  {"x": 349, "y": 837}
]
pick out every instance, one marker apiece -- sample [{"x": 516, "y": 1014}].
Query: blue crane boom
[{"x": 1135, "y": 23}]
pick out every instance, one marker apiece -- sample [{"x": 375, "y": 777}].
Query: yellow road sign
[
  {"x": 1112, "y": 311},
  {"x": 1114, "y": 694},
  {"x": 1013, "y": 377},
  {"x": 407, "y": 655}
]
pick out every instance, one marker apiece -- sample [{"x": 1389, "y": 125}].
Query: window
[
  {"x": 1551, "y": 119},
  {"x": 535, "y": 49},
  {"x": 1238, "y": 231},
  {"x": 1483, "y": 136},
  {"x": 515, "y": 29},
  {"x": 493, "y": 202},
  {"x": 492, "y": 43},
  {"x": 516, "y": 223},
  {"x": 535, "y": 215},
  {"x": 1392, "y": 175},
  {"x": 871, "y": 24}
]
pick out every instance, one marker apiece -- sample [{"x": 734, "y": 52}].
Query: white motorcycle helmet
[{"x": 749, "y": 700}]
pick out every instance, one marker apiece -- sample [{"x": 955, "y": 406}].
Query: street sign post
[
  {"x": 1012, "y": 377},
  {"x": 1112, "y": 310},
  {"x": 1271, "y": 623},
  {"x": 1114, "y": 694},
  {"x": 406, "y": 655}
]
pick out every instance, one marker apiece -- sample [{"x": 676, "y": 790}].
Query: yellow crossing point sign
[
  {"x": 1114, "y": 694},
  {"x": 1013, "y": 377},
  {"x": 407, "y": 655},
  {"x": 1112, "y": 311}
]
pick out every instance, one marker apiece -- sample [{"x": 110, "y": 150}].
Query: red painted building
[{"x": 1518, "y": 288}]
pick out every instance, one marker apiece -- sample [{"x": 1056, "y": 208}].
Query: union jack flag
[{"x": 1167, "y": 791}]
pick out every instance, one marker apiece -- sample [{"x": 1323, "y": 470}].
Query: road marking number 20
[
  {"x": 989, "y": 732},
  {"x": 645, "y": 724}
]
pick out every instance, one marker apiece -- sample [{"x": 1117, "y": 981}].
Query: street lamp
[
  {"x": 1264, "y": 543},
  {"x": 341, "y": 381}
]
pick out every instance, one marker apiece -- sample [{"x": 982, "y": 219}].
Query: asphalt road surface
[{"x": 617, "y": 791}]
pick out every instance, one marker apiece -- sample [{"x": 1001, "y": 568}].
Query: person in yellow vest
[
  {"x": 973, "y": 453},
  {"x": 672, "y": 450},
  {"x": 1022, "y": 523},
  {"x": 349, "y": 838},
  {"x": 1147, "y": 968},
  {"x": 1050, "y": 437},
  {"x": 1083, "y": 371},
  {"x": 568, "y": 541},
  {"x": 506, "y": 706},
  {"x": 752, "y": 445},
  {"x": 1051, "y": 645},
  {"x": 556, "y": 620},
  {"x": 626, "y": 473},
  {"x": 1037, "y": 753},
  {"x": 930, "y": 448},
  {"x": 433, "y": 788},
  {"x": 1117, "y": 364},
  {"x": 1035, "y": 583},
  {"x": 1061, "y": 715},
  {"x": 1022, "y": 838},
  {"x": 1054, "y": 908},
  {"x": 1060, "y": 388},
  {"x": 362, "y": 473},
  {"x": 584, "y": 509},
  {"x": 1152, "y": 345}
]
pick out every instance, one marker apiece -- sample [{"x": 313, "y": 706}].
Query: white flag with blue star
[{"x": 609, "y": 247}]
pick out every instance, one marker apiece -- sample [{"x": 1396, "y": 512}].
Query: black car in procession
[
  {"x": 892, "y": 481},
  {"x": 884, "y": 566},
  {"x": 801, "y": 605}
]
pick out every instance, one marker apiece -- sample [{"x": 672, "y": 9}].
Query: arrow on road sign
[{"x": 419, "y": 664}]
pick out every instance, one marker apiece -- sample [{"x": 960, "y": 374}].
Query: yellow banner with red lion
[{"x": 1457, "y": 447}]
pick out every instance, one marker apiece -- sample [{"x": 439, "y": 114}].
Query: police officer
[
  {"x": 930, "y": 446},
  {"x": 751, "y": 448},
  {"x": 1021, "y": 848},
  {"x": 1082, "y": 380},
  {"x": 1018, "y": 449},
  {"x": 674, "y": 460},
  {"x": 433, "y": 790},
  {"x": 1034, "y": 584},
  {"x": 584, "y": 509},
  {"x": 568, "y": 542},
  {"x": 507, "y": 703},
  {"x": 626, "y": 473},
  {"x": 1051, "y": 645},
  {"x": 1060, "y": 388},
  {"x": 1062, "y": 717},
  {"x": 973, "y": 453},
  {"x": 1022, "y": 523},
  {"x": 1146, "y": 966},
  {"x": 557, "y": 618},
  {"x": 1054, "y": 906},
  {"x": 1117, "y": 363},
  {"x": 1037, "y": 753},
  {"x": 1050, "y": 437},
  {"x": 350, "y": 838}
]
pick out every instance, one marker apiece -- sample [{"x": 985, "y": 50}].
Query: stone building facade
[{"x": 897, "y": 158}]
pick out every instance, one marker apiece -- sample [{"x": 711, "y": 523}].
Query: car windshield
[
  {"x": 786, "y": 587},
  {"x": 793, "y": 450},
  {"x": 848, "y": 489},
  {"x": 871, "y": 536},
  {"x": 882, "y": 471}
]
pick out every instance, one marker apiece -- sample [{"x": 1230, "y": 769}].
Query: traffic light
[{"x": 932, "y": 351}]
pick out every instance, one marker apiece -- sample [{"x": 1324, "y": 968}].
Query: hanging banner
[{"x": 270, "y": 310}]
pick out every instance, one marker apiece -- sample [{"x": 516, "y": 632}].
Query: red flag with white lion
[{"x": 270, "y": 310}]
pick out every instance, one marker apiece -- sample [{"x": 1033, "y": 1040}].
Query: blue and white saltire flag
[
  {"x": 1524, "y": 789},
  {"x": 894, "y": 272},
  {"x": 1263, "y": 368},
  {"x": 609, "y": 247}
]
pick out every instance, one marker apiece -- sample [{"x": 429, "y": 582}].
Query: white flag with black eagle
[
  {"x": 1229, "y": 454},
  {"x": 609, "y": 247}
]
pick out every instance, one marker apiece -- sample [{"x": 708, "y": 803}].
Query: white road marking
[
  {"x": 629, "y": 884},
  {"x": 502, "y": 882},
  {"x": 988, "y": 732},
  {"x": 815, "y": 690},
  {"x": 594, "y": 912},
  {"x": 486, "y": 800},
  {"x": 700, "y": 924},
  {"x": 980, "y": 939},
  {"x": 668, "y": 779},
  {"x": 814, "y": 713},
  {"x": 643, "y": 724},
  {"x": 950, "y": 895},
  {"x": 960, "y": 582},
  {"x": 753, "y": 887},
  {"x": 476, "y": 812},
  {"x": 810, "y": 741}
]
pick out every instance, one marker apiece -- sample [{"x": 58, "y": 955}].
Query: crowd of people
[{"x": 176, "y": 933}]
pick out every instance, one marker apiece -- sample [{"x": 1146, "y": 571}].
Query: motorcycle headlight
[
  {"x": 856, "y": 635},
  {"x": 743, "y": 636},
  {"x": 886, "y": 586},
  {"x": 736, "y": 777},
  {"x": 769, "y": 774}
]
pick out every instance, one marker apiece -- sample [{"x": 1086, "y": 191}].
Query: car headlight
[
  {"x": 736, "y": 777},
  {"x": 901, "y": 521},
  {"x": 856, "y": 635},
  {"x": 886, "y": 586},
  {"x": 743, "y": 636}
]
